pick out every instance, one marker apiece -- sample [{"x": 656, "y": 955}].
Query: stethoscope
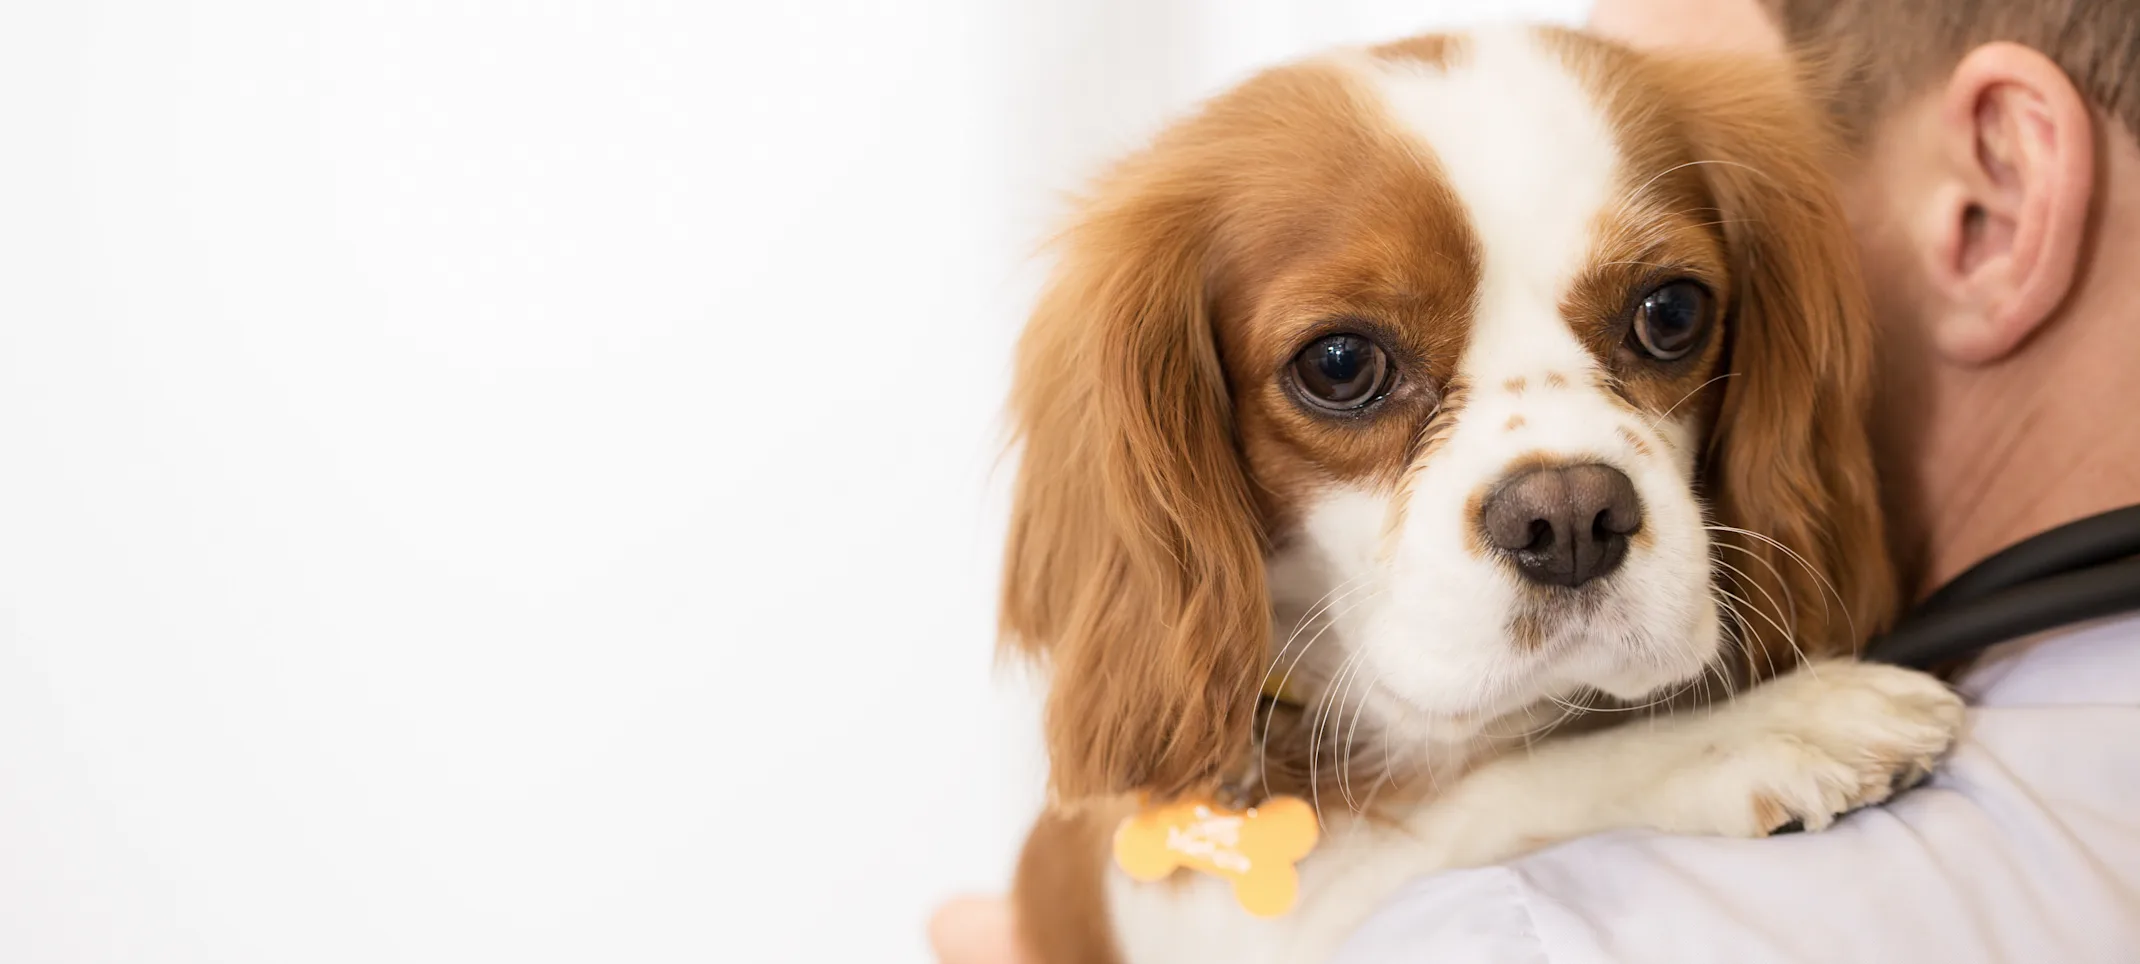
[{"x": 2077, "y": 572}]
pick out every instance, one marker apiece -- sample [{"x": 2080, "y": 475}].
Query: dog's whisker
[
  {"x": 1790, "y": 633},
  {"x": 1790, "y": 599},
  {"x": 1322, "y": 607},
  {"x": 1328, "y": 618},
  {"x": 1742, "y": 579},
  {"x": 1329, "y": 622},
  {"x": 1638, "y": 192},
  {"x": 1324, "y": 702},
  {"x": 1317, "y": 608},
  {"x": 1316, "y": 716},
  {"x": 1568, "y": 712},
  {"x": 1723, "y": 682},
  {"x": 1345, "y": 756},
  {"x": 1810, "y": 569},
  {"x": 1714, "y": 666},
  {"x": 1331, "y": 707},
  {"x": 1736, "y": 622},
  {"x": 1263, "y": 742},
  {"x": 1683, "y": 398},
  {"x": 1749, "y": 650},
  {"x": 1741, "y": 600},
  {"x": 1340, "y": 703}
]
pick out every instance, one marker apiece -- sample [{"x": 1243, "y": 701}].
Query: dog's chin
[
  {"x": 1635, "y": 667},
  {"x": 1643, "y": 684},
  {"x": 1647, "y": 670},
  {"x": 1405, "y": 723},
  {"x": 1429, "y": 723}
]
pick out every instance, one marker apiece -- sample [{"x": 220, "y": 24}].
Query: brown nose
[{"x": 1563, "y": 526}]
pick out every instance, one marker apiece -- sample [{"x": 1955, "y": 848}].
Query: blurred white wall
[{"x": 512, "y": 482}]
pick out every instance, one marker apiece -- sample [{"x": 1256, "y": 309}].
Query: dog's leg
[{"x": 1826, "y": 739}]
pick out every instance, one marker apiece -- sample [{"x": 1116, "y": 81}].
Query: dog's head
[{"x": 1510, "y": 367}]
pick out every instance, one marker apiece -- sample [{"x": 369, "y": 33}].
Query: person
[{"x": 1993, "y": 182}]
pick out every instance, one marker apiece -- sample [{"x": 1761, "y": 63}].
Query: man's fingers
[{"x": 975, "y": 930}]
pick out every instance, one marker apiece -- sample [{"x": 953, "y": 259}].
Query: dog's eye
[
  {"x": 1342, "y": 372},
  {"x": 1671, "y": 318}
]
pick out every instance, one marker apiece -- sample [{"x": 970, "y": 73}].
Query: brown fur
[
  {"x": 1635, "y": 441},
  {"x": 1062, "y": 907}
]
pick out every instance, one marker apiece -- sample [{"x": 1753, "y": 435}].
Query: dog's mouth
[
  {"x": 1547, "y": 616},
  {"x": 1596, "y": 641}
]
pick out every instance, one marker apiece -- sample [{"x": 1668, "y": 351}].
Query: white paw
[{"x": 1824, "y": 740}]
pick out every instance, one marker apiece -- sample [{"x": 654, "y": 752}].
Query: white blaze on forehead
[{"x": 1531, "y": 158}]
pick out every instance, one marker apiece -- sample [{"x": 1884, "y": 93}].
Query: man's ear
[{"x": 2008, "y": 222}]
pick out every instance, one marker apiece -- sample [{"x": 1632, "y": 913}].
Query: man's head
[{"x": 1992, "y": 185}]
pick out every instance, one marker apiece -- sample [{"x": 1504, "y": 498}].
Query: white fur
[{"x": 1410, "y": 630}]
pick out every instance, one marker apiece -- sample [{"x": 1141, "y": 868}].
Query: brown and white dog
[{"x": 1467, "y": 384}]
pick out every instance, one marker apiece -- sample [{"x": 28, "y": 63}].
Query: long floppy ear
[
  {"x": 1790, "y": 464},
  {"x": 1135, "y": 560}
]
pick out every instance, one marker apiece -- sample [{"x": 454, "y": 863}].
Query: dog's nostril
[
  {"x": 1565, "y": 525},
  {"x": 1614, "y": 522},
  {"x": 1541, "y": 536}
]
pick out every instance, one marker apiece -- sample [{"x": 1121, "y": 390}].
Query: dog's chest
[{"x": 1192, "y": 918}]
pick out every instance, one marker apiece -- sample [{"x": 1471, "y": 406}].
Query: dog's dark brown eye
[
  {"x": 1342, "y": 372},
  {"x": 1671, "y": 319}
]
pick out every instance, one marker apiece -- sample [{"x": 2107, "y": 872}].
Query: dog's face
[
  {"x": 1475, "y": 413},
  {"x": 1441, "y": 379}
]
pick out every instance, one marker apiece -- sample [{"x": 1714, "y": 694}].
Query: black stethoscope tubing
[{"x": 2080, "y": 571}]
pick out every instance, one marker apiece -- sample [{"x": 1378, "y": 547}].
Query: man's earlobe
[{"x": 2018, "y": 141}]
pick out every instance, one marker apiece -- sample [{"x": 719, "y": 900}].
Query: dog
[{"x": 1406, "y": 417}]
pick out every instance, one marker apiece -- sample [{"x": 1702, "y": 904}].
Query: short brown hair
[{"x": 1870, "y": 54}]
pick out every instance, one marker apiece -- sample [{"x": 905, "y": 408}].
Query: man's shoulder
[
  {"x": 2036, "y": 801},
  {"x": 2094, "y": 664}
]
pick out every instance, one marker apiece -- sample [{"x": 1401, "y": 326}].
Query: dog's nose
[{"x": 1563, "y": 526}]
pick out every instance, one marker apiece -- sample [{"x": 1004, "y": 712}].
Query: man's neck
[
  {"x": 2027, "y": 475},
  {"x": 2049, "y": 438}
]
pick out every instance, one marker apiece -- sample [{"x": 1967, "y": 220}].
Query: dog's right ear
[{"x": 1135, "y": 559}]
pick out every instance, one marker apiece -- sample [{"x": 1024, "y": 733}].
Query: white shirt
[{"x": 2024, "y": 847}]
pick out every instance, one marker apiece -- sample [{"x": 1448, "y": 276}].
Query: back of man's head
[{"x": 1869, "y": 55}]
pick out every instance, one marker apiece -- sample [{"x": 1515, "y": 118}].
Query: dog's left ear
[
  {"x": 1792, "y": 464},
  {"x": 1135, "y": 557}
]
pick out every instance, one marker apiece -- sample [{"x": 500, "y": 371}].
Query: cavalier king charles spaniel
[{"x": 1407, "y": 417}]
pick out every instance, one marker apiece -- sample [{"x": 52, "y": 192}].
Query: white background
[{"x": 518, "y": 482}]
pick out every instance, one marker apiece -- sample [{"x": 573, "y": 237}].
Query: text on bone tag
[{"x": 1211, "y": 838}]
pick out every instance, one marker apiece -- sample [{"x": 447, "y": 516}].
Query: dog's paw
[{"x": 1826, "y": 739}]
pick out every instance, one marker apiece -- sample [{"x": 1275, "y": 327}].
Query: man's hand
[{"x": 976, "y": 930}]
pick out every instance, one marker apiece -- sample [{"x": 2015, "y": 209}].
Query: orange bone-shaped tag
[{"x": 1254, "y": 848}]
